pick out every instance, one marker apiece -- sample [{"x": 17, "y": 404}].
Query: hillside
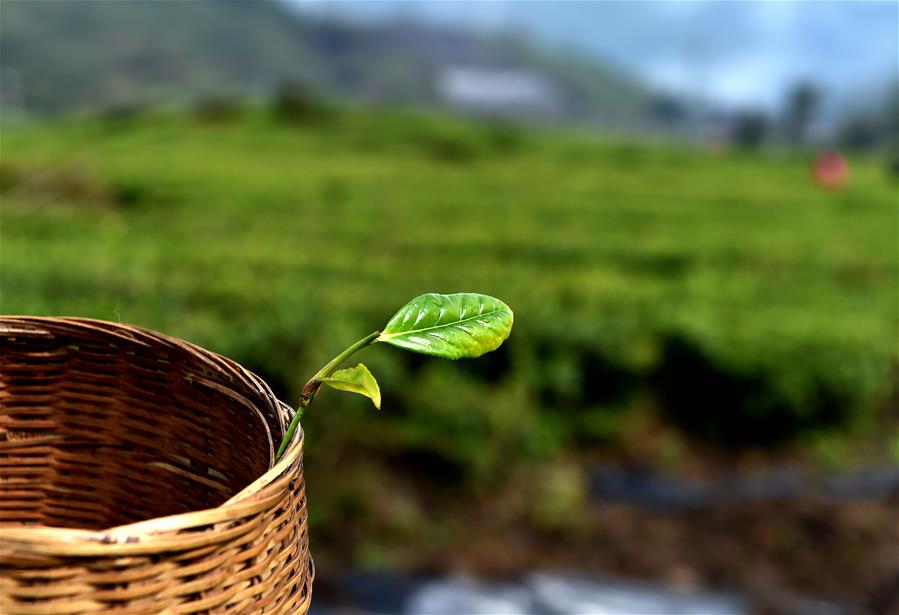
[
  {"x": 62, "y": 56},
  {"x": 693, "y": 280},
  {"x": 678, "y": 310}
]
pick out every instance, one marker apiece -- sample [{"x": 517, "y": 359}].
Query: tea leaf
[
  {"x": 461, "y": 325},
  {"x": 356, "y": 380}
]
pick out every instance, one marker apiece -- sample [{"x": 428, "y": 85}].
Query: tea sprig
[{"x": 456, "y": 326}]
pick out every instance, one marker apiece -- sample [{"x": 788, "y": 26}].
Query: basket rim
[{"x": 166, "y": 533}]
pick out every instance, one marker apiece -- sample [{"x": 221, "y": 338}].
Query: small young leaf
[
  {"x": 356, "y": 380},
  {"x": 462, "y": 325}
]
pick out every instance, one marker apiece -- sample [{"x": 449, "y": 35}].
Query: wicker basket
[{"x": 136, "y": 477}]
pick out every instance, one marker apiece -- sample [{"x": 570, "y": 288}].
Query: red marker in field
[{"x": 831, "y": 170}]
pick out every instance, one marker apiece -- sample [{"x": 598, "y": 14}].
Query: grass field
[{"x": 721, "y": 294}]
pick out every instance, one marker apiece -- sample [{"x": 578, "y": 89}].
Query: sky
[{"x": 740, "y": 54}]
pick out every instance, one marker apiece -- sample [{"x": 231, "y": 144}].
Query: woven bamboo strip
[{"x": 137, "y": 475}]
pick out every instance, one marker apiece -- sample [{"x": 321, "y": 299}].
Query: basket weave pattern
[{"x": 135, "y": 477}]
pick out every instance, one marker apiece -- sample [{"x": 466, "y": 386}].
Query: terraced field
[{"x": 721, "y": 298}]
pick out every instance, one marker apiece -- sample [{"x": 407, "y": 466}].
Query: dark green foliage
[
  {"x": 801, "y": 105},
  {"x": 505, "y": 137},
  {"x": 10, "y": 177},
  {"x": 296, "y": 104},
  {"x": 217, "y": 110},
  {"x": 874, "y": 126},
  {"x": 122, "y": 115},
  {"x": 64, "y": 184},
  {"x": 733, "y": 405},
  {"x": 448, "y": 147},
  {"x": 750, "y": 128}
]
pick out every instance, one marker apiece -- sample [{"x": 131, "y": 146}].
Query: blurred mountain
[
  {"x": 64, "y": 56},
  {"x": 738, "y": 54}
]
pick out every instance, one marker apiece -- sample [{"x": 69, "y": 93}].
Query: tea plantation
[{"x": 723, "y": 296}]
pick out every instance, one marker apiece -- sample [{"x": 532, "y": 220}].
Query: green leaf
[
  {"x": 356, "y": 380},
  {"x": 462, "y": 325}
]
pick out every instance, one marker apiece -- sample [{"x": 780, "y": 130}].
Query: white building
[{"x": 497, "y": 91}]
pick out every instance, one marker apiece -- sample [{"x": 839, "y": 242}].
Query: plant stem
[
  {"x": 290, "y": 431},
  {"x": 334, "y": 363},
  {"x": 315, "y": 383}
]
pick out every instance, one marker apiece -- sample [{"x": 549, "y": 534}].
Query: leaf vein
[{"x": 446, "y": 325}]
